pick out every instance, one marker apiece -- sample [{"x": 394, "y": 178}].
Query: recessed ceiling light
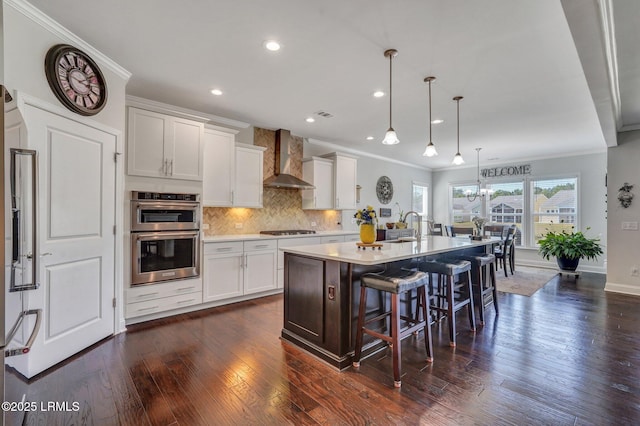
[
  {"x": 437, "y": 121},
  {"x": 369, "y": 138},
  {"x": 309, "y": 119},
  {"x": 216, "y": 92},
  {"x": 378, "y": 94},
  {"x": 272, "y": 45}
]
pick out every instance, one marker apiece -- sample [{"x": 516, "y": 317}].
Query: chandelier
[{"x": 481, "y": 190}]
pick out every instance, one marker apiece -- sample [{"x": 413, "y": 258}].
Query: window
[
  {"x": 463, "y": 210},
  {"x": 420, "y": 198},
  {"x": 554, "y": 206},
  {"x": 536, "y": 206}
]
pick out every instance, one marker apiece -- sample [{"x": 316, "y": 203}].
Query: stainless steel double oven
[{"x": 165, "y": 237}]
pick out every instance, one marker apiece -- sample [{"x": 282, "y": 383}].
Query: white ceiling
[{"x": 515, "y": 63}]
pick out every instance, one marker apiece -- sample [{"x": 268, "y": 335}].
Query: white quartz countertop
[
  {"x": 390, "y": 251},
  {"x": 249, "y": 237}
]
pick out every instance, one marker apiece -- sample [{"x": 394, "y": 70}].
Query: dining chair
[
  {"x": 461, "y": 230},
  {"x": 505, "y": 253},
  {"x": 449, "y": 231}
]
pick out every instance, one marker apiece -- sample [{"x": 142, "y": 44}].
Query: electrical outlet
[
  {"x": 630, "y": 226},
  {"x": 313, "y": 224},
  {"x": 353, "y": 220},
  {"x": 635, "y": 272},
  {"x": 205, "y": 226},
  {"x": 238, "y": 226}
]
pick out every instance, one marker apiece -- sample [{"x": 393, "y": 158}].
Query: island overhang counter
[{"x": 321, "y": 289}]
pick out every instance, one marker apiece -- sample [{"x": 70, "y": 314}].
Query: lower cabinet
[
  {"x": 238, "y": 268},
  {"x": 153, "y": 298}
]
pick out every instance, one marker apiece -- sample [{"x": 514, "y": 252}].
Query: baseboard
[
  {"x": 622, "y": 288},
  {"x": 553, "y": 266}
]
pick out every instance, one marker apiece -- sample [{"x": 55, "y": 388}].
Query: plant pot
[
  {"x": 567, "y": 264},
  {"x": 367, "y": 233}
]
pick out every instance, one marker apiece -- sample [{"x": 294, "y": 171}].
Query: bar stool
[
  {"x": 447, "y": 269},
  {"x": 482, "y": 283},
  {"x": 396, "y": 282}
]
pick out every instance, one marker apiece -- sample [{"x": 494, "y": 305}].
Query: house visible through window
[
  {"x": 536, "y": 206},
  {"x": 554, "y": 206}
]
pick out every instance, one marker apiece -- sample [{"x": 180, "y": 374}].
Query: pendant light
[
  {"x": 431, "y": 148},
  {"x": 457, "y": 160},
  {"x": 390, "y": 138}
]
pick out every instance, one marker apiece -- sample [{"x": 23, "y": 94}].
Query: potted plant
[{"x": 569, "y": 248}]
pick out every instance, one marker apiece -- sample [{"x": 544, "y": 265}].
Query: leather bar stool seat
[
  {"x": 396, "y": 283},
  {"x": 483, "y": 284},
  {"x": 445, "y": 295}
]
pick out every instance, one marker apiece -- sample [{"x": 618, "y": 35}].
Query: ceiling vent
[{"x": 324, "y": 114}]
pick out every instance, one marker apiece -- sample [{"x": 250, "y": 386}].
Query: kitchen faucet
[{"x": 419, "y": 230}]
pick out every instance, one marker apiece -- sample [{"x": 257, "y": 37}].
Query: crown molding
[
  {"x": 340, "y": 148},
  {"x": 35, "y": 15},
  {"x": 190, "y": 114}
]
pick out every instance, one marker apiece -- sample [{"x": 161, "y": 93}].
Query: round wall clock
[
  {"x": 384, "y": 190},
  {"x": 75, "y": 79}
]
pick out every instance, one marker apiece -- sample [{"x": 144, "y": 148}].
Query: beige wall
[{"x": 623, "y": 247}]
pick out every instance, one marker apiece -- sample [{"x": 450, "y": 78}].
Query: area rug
[{"x": 525, "y": 281}]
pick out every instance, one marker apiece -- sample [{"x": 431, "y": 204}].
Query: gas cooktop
[{"x": 289, "y": 232}]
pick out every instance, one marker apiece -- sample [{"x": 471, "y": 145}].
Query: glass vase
[{"x": 367, "y": 233}]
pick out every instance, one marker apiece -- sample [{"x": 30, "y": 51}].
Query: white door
[
  {"x": 76, "y": 217},
  {"x": 222, "y": 276}
]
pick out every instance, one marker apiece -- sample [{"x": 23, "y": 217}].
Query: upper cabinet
[
  {"x": 219, "y": 168},
  {"x": 161, "y": 145},
  {"x": 319, "y": 172},
  {"x": 232, "y": 172},
  {"x": 248, "y": 176},
  {"x": 345, "y": 169}
]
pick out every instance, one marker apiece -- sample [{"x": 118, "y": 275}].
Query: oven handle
[
  {"x": 163, "y": 235},
  {"x": 165, "y": 205}
]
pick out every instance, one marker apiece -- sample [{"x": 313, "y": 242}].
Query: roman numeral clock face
[{"x": 75, "y": 79}]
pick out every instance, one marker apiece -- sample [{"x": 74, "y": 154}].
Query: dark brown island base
[{"x": 322, "y": 290}]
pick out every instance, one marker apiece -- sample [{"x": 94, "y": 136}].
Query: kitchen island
[{"x": 321, "y": 289}]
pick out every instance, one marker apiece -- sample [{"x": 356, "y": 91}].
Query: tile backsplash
[{"x": 282, "y": 210}]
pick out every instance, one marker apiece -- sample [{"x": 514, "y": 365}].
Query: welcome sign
[{"x": 524, "y": 169}]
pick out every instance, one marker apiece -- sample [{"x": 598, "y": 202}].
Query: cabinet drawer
[
  {"x": 260, "y": 245},
  {"x": 332, "y": 239},
  {"x": 220, "y": 248},
  {"x": 157, "y": 291},
  {"x": 354, "y": 237},
  {"x": 164, "y": 304}
]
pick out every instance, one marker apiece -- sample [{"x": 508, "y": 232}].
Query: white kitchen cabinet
[
  {"x": 260, "y": 265},
  {"x": 318, "y": 172},
  {"x": 332, "y": 239},
  {"x": 248, "y": 176},
  {"x": 223, "y": 265},
  {"x": 164, "y": 296},
  {"x": 352, "y": 238},
  {"x": 345, "y": 169},
  {"x": 160, "y": 145},
  {"x": 219, "y": 159},
  {"x": 234, "y": 269}
]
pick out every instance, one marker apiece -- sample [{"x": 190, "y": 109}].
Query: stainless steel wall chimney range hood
[{"x": 282, "y": 177}]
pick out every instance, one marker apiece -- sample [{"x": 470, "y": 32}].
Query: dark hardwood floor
[{"x": 569, "y": 355}]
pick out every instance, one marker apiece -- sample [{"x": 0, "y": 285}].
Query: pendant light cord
[
  {"x": 390, "y": 90},
  {"x": 430, "y": 141}
]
